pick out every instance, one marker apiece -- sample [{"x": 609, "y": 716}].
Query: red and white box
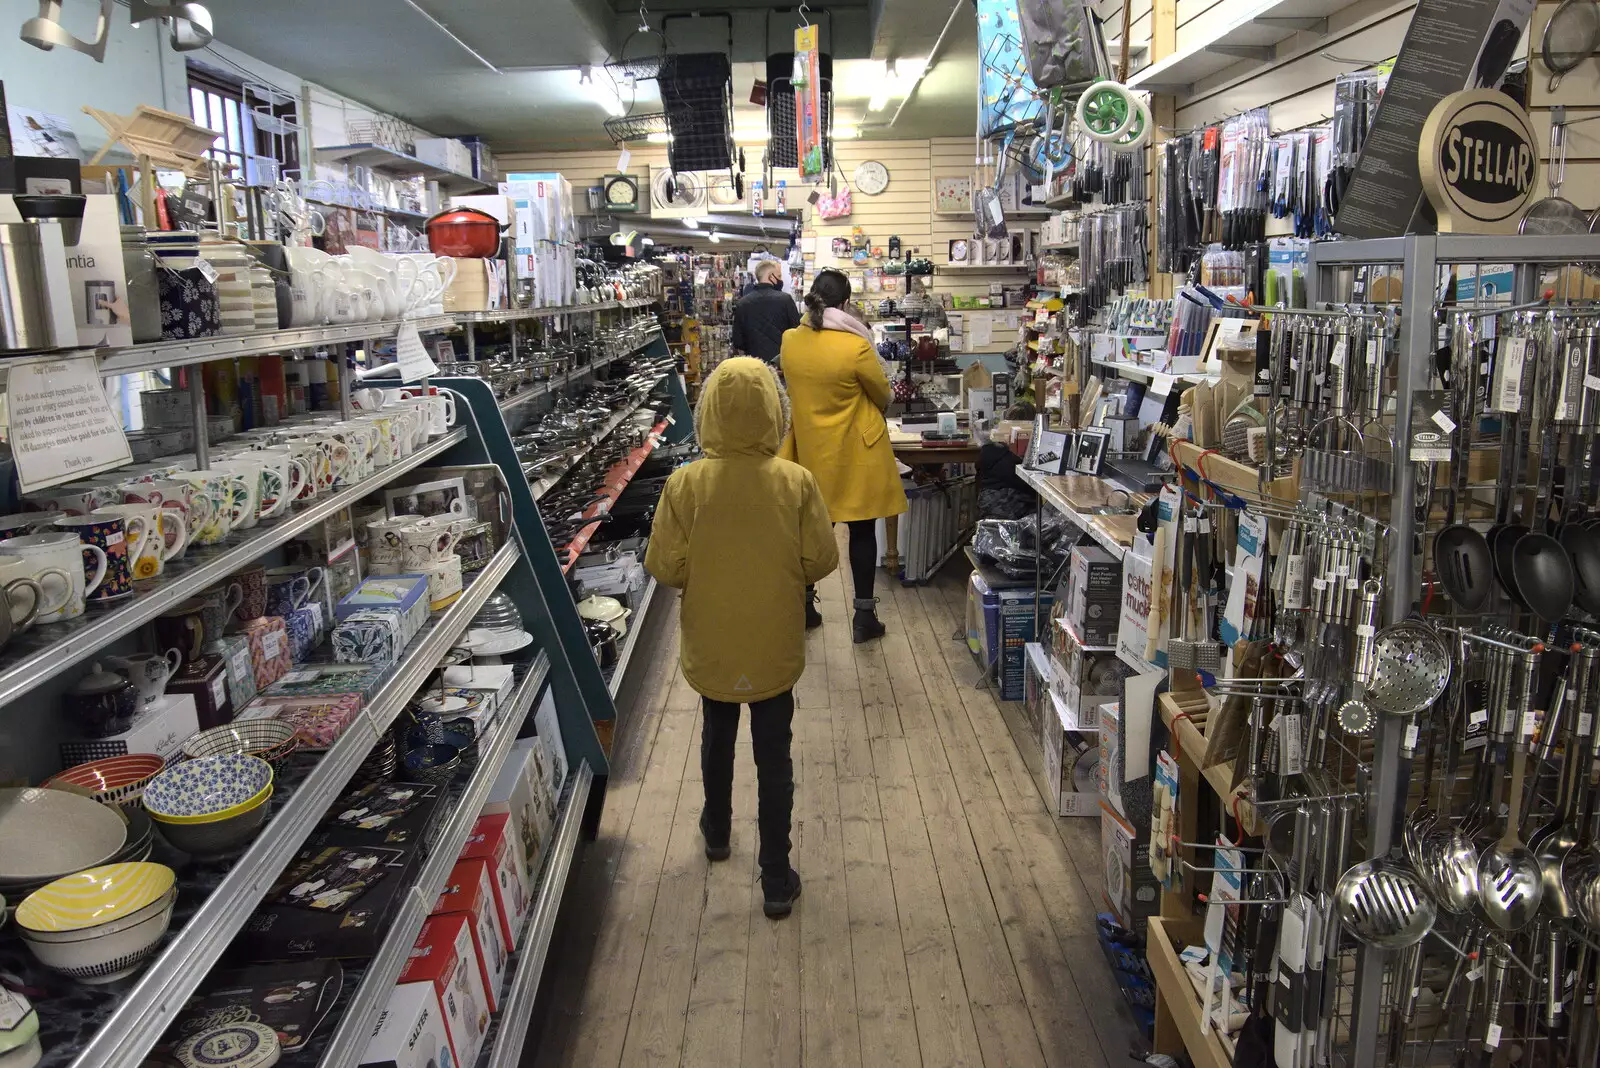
[
  {"x": 470, "y": 892},
  {"x": 491, "y": 840},
  {"x": 444, "y": 956}
]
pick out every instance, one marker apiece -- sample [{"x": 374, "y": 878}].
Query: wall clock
[
  {"x": 958, "y": 250},
  {"x": 620, "y": 192},
  {"x": 872, "y": 178}
]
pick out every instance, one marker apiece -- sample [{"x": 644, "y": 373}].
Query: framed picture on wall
[{"x": 952, "y": 193}]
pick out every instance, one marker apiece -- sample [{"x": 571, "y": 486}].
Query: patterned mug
[
  {"x": 120, "y": 539},
  {"x": 289, "y": 588},
  {"x": 165, "y": 536},
  {"x": 26, "y": 597},
  {"x": 61, "y": 551}
]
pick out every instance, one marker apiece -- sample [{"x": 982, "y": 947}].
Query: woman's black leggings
[{"x": 863, "y": 555}]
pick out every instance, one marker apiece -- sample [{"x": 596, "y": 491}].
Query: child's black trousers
[{"x": 770, "y": 734}]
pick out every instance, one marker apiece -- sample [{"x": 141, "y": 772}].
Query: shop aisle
[{"x": 946, "y": 919}]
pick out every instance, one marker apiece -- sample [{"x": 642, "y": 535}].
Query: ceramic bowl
[
  {"x": 270, "y": 739},
  {"x": 133, "y": 919},
  {"x": 141, "y": 833},
  {"x": 433, "y": 763},
  {"x": 218, "y": 838},
  {"x": 45, "y": 834},
  {"x": 209, "y": 789},
  {"x": 113, "y": 780},
  {"x": 96, "y": 896},
  {"x": 108, "y": 957}
]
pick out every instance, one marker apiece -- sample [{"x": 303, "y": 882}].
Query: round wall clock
[{"x": 872, "y": 178}]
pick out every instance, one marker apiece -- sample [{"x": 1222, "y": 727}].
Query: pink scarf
[{"x": 837, "y": 319}]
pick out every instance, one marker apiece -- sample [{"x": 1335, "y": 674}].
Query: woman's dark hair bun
[
  {"x": 815, "y": 306},
  {"x": 830, "y": 289}
]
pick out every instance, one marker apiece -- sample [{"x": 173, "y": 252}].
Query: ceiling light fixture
[
  {"x": 442, "y": 28},
  {"x": 691, "y": 222},
  {"x": 659, "y": 138},
  {"x": 716, "y": 238},
  {"x": 190, "y": 24},
  {"x": 900, "y": 77},
  {"x": 45, "y": 31},
  {"x": 846, "y": 132}
]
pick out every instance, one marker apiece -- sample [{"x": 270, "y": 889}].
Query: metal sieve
[{"x": 1411, "y": 671}]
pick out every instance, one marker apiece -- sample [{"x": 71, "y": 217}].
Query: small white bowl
[
  {"x": 122, "y": 923},
  {"x": 107, "y": 958}
]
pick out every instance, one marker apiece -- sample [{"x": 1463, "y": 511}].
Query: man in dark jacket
[{"x": 762, "y": 315}]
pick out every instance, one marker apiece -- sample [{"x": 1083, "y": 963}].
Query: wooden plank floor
[{"x": 946, "y": 918}]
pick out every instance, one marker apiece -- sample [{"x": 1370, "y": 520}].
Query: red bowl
[{"x": 111, "y": 781}]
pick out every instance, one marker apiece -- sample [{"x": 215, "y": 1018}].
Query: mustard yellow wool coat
[
  {"x": 741, "y": 533},
  {"x": 837, "y": 394}
]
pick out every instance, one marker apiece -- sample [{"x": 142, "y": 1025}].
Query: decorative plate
[
  {"x": 454, "y": 702},
  {"x": 238, "y": 1045},
  {"x": 494, "y": 643},
  {"x": 98, "y": 895},
  {"x": 208, "y": 788},
  {"x": 113, "y": 780},
  {"x": 45, "y": 834}
]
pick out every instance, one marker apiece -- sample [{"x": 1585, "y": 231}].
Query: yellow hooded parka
[{"x": 741, "y": 533}]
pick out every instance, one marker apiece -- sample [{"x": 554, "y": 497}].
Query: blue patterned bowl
[{"x": 208, "y": 789}]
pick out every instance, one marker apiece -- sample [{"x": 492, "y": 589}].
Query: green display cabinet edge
[{"x": 537, "y": 585}]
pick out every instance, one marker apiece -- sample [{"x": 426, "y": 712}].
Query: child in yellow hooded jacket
[{"x": 742, "y": 533}]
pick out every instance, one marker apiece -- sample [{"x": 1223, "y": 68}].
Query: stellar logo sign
[{"x": 1479, "y": 162}]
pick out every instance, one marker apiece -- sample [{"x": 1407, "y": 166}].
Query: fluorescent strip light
[{"x": 446, "y": 31}]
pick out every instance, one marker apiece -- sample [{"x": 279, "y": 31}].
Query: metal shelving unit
[
  {"x": 390, "y": 161},
  {"x": 157, "y": 355},
  {"x": 635, "y": 624},
  {"x": 49, "y": 649},
  {"x": 516, "y": 1013},
  {"x": 565, "y": 379},
  {"x": 160, "y": 991},
  {"x": 353, "y": 1029}
]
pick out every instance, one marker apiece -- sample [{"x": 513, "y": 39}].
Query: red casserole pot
[{"x": 464, "y": 232}]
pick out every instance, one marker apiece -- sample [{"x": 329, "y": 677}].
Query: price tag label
[
  {"x": 1444, "y": 422},
  {"x": 1474, "y": 975},
  {"x": 1478, "y": 717},
  {"x": 622, "y": 161},
  {"x": 207, "y": 271},
  {"x": 1340, "y": 353},
  {"x": 1508, "y": 374},
  {"x": 1585, "y": 724},
  {"x": 1290, "y": 748},
  {"x": 1529, "y": 719},
  {"x": 1491, "y": 1037},
  {"x": 1410, "y": 743}
]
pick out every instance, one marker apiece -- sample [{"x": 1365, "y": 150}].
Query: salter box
[{"x": 1479, "y": 162}]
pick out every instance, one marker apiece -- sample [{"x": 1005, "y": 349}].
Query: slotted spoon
[
  {"x": 1384, "y": 905},
  {"x": 1510, "y": 881}
]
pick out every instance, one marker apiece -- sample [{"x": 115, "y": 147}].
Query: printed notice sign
[
  {"x": 62, "y": 425},
  {"x": 415, "y": 363}
]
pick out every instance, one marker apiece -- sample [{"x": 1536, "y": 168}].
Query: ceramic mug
[
  {"x": 74, "y": 498},
  {"x": 217, "y": 607},
  {"x": 440, "y": 406},
  {"x": 444, "y": 581},
  {"x": 427, "y": 542},
  {"x": 149, "y": 672},
  {"x": 228, "y": 497},
  {"x": 301, "y": 459},
  {"x": 385, "y": 440},
  {"x": 118, "y": 544},
  {"x": 252, "y": 583},
  {"x": 22, "y": 582},
  {"x": 385, "y": 545},
  {"x": 289, "y": 588},
  {"x": 165, "y": 536},
  {"x": 61, "y": 551},
  {"x": 193, "y": 509},
  {"x": 270, "y": 477},
  {"x": 182, "y": 629},
  {"x": 14, "y": 526}
]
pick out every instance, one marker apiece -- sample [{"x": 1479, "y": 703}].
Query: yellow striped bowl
[{"x": 95, "y": 896}]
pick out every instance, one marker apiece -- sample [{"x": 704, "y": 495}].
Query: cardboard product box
[
  {"x": 234, "y": 649},
  {"x": 1132, "y": 891},
  {"x": 1138, "y": 577},
  {"x": 1094, "y": 594},
  {"x": 396, "y": 815},
  {"x": 1036, "y": 688},
  {"x": 547, "y": 727},
  {"x": 406, "y": 595},
  {"x": 206, "y": 680},
  {"x": 1083, "y": 680},
  {"x": 516, "y": 793},
  {"x": 291, "y": 998},
  {"x": 1133, "y": 801},
  {"x": 311, "y": 680},
  {"x": 547, "y": 783},
  {"x": 491, "y": 840},
  {"x": 983, "y": 619},
  {"x": 470, "y": 892},
  {"x": 269, "y": 649},
  {"x": 477, "y": 286},
  {"x": 162, "y": 728},
  {"x": 373, "y": 636},
  {"x": 498, "y": 681},
  {"x": 331, "y": 901},
  {"x": 449, "y": 153},
  {"x": 411, "y": 1031},
  {"x": 1070, "y": 759},
  {"x": 444, "y": 956},
  {"x": 1015, "y": 608},
  {"x": 319, "y": 720}
]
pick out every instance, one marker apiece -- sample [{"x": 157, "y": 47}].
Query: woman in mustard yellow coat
[{"x": 837, "y": 395}]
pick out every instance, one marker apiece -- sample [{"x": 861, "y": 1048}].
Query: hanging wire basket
[
  {"x": 635, "y": 127},
  {"x": 643, "y": 68}
]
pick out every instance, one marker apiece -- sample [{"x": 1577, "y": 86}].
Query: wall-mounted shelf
[
  {"x": 992, "y": 268},
  {"x": 389, "y": 161},
  {"x": 160, "y": 354},
  {"x": 1252, "y": 33}
]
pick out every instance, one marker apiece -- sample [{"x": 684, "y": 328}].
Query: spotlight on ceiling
[
  {"x": 189, "y": 24},
  {"x": 46, "y": 32},
  {"x": 716, "y": 238}
]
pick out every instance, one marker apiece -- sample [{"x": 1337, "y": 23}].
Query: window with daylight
[{"x": 258, "y": 125}]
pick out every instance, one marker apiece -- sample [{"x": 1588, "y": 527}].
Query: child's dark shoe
[
  {"x": 866, "y": 626},
  {"x": 715, "y": 849},
  {"x": 813, "y": 617},
  {"x": 781, "y": 892}
]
